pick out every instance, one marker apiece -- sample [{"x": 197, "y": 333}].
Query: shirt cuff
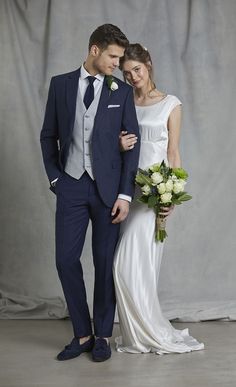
[
  {"x": 53, "y": 183},
  {"x": 125, "y": 197}
]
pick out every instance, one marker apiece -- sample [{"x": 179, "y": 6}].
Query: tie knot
[{"x": 91, "y": 79}]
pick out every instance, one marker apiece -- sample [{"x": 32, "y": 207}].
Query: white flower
[
  {"x": 166, "y": 197},
  {"x": 174, "y": 178},
  {"x": 156, "y": 178},
  {"x": 182, "y": 181},
  {"x": 161, "y": 188},
  {"x": 178, "y": 187},
  {"x": 146, "y": 190},
  {"x": 169, "y": 185},
  {"x": 114, "y": 86}
]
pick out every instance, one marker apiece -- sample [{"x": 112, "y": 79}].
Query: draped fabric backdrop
[{"x": 192, "y": 44}]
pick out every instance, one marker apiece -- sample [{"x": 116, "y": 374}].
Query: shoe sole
[
  {"x": 74, "y": 356},
  {"x": 99, "y": 359}
]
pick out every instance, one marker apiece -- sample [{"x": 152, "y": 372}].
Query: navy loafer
[
  {"x": 75, "y": 349},
  {"x": 101, "y": 350}
]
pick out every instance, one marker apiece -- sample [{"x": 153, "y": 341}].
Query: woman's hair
[
  {"x": 137, "y": 52},
  {"x": 108, "y": 34}
]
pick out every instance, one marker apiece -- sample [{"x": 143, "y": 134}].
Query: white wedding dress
[{"x": 138, "y": 256}]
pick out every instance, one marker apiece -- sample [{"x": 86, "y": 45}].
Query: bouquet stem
[{"x": 161, "y": 233}]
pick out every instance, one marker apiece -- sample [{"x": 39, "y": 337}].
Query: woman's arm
[
  {"x": 174, "y": 123},
  {"x": 173, "y": 155}
]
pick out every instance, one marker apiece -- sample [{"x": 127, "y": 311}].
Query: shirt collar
[{"x": 84, "y": 74}]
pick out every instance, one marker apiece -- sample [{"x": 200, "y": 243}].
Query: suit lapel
[{"x": 72, "y": 83}]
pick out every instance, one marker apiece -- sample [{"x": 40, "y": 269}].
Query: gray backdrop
[{"x": 193, "y": 48}]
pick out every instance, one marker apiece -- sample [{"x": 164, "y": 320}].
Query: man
[{"x": 85, "y": 113}]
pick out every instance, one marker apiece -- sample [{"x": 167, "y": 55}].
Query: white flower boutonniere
[{"x": 112, "y": 84}]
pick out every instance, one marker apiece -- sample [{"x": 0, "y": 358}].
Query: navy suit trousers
[{"x": 78, "y": 201}]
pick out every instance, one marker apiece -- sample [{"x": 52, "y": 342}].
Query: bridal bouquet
[{"x": 162, "y": 186}]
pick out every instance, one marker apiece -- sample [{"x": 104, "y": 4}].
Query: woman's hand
[
  {"x": 166, "y": 211},
  {"x": 127, "y": 141}
]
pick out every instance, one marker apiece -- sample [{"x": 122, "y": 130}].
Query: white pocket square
[{"x": 113, "y": 106}]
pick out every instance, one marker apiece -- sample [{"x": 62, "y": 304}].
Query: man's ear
[{"x": 94, "y": 50}]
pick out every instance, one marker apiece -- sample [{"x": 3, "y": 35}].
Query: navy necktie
[{"x": 89, "y": 94}]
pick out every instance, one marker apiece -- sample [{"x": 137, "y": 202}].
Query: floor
[{"x": 28, "y": 349}]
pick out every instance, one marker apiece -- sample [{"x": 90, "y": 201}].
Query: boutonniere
[{"x": 112, "y": 85}]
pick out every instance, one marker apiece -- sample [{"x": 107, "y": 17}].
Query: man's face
[{"x": 105, "y": 61}]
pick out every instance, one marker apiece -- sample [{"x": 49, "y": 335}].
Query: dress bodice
[{"x": 153, "y": 121}]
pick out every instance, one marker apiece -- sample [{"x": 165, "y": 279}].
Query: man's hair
[{"x": 108, "y": 34}]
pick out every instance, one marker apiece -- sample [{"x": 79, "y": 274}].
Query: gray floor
[{"x": 28, "y": 349}]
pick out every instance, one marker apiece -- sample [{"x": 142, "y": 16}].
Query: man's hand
[{"x": 120, "y": 210}]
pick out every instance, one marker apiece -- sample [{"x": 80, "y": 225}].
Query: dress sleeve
[{"x": 174, "y": 101}]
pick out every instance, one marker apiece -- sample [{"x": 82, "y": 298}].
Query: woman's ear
[{"x": 149, "y": 65}]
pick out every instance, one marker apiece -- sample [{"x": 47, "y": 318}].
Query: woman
[{"x": 138, "y": 255}]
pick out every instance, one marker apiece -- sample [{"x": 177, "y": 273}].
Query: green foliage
[
  {"x": 165, "y": 171},
  {"x": 180, "y": 173},
  {"x": 142, "y": 179},
  {"x": 143, "y": 199},
  {"x": 109, "y": 79},
  {"x": 152, "y": 201},
  {"x": 155, "y": 167},
  {"x": 161, "y": 235},
  {"x": 180, "y": 198}
]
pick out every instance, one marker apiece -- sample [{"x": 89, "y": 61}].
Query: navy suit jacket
[{"x": 114, "y": 171}]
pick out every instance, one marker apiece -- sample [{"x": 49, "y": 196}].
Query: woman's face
[{"x": 136, "y": 73}]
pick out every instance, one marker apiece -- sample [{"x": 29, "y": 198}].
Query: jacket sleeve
[
  {"x": 129, "y": 158},
  {"x": 49, "y": 136}
]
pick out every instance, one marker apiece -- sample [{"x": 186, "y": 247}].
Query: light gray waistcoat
[{"x": 79, "y": 157}]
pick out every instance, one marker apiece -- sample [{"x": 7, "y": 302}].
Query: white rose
[
  {"x": 182, "y": 181},
  {"x": 161, "y": 188},
  {"x": 169, "y": 185},
  {"x": 156, "y": 178},
  {"x": 174, "y": 178},
  {"x": 178, "y": 187},
  {"x": 146, "y": 190},
  {"x": 114, "y": 86},
  {"x": 166, "y": 197}
]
